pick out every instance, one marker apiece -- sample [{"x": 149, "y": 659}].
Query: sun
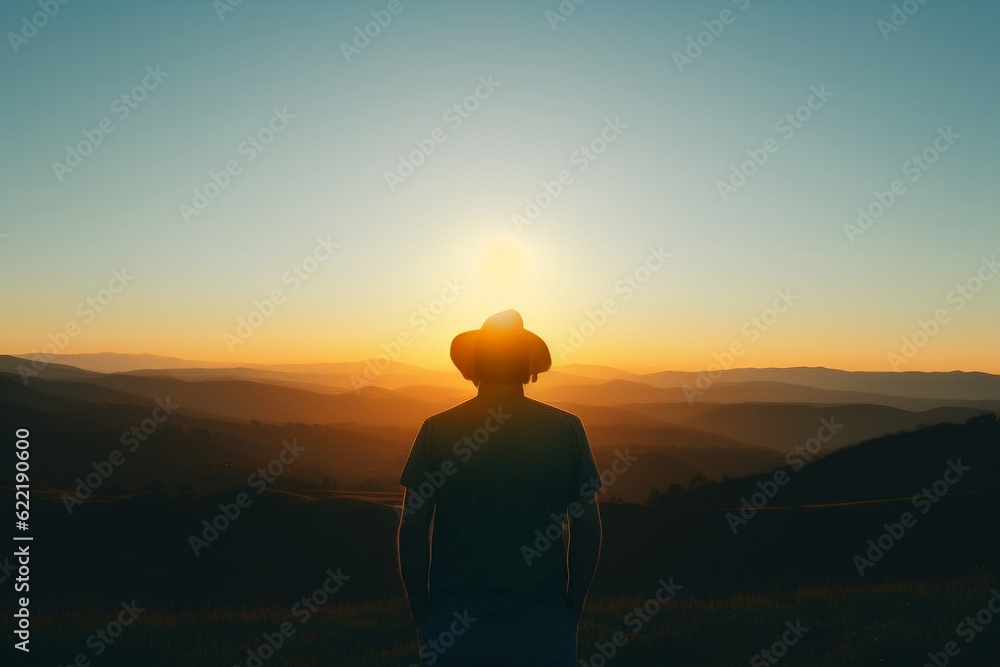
[{"x": 502, "y": 258}]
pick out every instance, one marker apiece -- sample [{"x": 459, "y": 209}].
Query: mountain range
[{"x": 776, "y": 477}]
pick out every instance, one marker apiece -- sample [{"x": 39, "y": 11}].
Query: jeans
[{"x": 449, "y": 641}]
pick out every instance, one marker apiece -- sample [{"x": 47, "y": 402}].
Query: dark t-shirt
[{"x": 503, "y": 471}]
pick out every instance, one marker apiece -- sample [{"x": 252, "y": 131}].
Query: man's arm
[
  {"x": 415, "y": 553},
  {"x": 584, "y": 550}
]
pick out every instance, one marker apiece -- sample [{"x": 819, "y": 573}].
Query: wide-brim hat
[{"x": 503, "y": 333}]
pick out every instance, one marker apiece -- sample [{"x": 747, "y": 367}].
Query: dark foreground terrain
[
  {"x": 874, "y": 543},
  {"x": 840, "y": 626}
]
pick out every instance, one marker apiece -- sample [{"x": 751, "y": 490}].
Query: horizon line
[{"x": 247, "y": 364}]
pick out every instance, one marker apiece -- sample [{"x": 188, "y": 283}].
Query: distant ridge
[
  {"x": 966, "y": 385},
  {"x": 122, "y": 362},
  {"x": 572, "y": 381}
]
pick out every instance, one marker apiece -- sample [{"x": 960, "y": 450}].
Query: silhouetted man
[{"x": 500, "y": 477}]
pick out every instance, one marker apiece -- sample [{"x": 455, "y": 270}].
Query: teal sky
[{"x": 655, "y": 185}]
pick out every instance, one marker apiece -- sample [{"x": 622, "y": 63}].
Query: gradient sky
[{"x": 655, "y": 185}]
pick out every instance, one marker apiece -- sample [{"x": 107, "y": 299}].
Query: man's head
[{"x": 501, "y": 351}]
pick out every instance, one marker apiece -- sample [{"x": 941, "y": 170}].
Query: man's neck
[{"x": 501, "y": 389}]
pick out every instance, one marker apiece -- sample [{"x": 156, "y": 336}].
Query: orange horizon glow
[{"x": 926, "y": 361}]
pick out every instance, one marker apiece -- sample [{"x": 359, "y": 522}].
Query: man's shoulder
[
  {"x": 521, "y": 404},
  {"x": 552, "y": 411},
  {"x": 454, "y": 411}
]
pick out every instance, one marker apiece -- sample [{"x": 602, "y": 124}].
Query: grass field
[{"x": 853, "y": 626}]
